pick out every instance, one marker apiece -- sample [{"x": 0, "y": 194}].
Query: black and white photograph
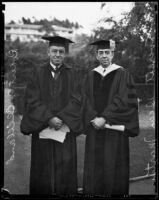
[{"x": 79, "y": 81}]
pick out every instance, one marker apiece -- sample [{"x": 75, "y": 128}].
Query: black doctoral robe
[
  {"x": 106, "y": 164},
  {"x": 53, "y": 164}
]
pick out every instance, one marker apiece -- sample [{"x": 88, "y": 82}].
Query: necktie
[
  {"x": 56, "y": 71},
  {"x": 104, "y": 70}
]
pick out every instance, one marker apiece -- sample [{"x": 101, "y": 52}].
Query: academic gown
[
  {"x": 106, "y": 164},
  {"x": 53, "y": 164}
]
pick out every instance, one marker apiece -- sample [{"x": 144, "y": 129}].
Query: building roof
[
  {"x": 24, "y": 26},
  {"x": 61, "y": 28}
]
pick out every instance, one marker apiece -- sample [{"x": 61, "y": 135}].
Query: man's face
[
  {"x": 56, "y": 54},
  {"x": 104, "y": 56}
]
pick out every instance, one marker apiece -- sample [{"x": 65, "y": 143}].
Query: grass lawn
[
  {"x": 142, "y": 187},
  {"x": 16, "y": 172}
]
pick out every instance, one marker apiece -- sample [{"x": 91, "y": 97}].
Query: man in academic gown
[
  {"x": 110, "y": 98},
  {"x": 52, "y": 88}
]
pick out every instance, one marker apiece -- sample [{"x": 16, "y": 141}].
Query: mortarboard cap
[
  {"x": 57, "y": 40},
  {"x": 109, "y": 44}
]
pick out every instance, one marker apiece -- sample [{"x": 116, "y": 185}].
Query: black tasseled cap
[
  {"x": 57, "y": 40},
  {"x": 109, "y": 44}
]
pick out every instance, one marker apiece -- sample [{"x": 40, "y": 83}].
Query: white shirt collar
[
  {"x": 107, "y": 70},
  {"x": 52, "y": 65}
]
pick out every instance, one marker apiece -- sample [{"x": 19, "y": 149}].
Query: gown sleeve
[
  {"x": 36, "y": 114},
  {"x": 89, "y": 113},
  {"x": 79, "y": 112},
  {"x": 123, "y": 110},
  {"x": 71, "y": 114}
]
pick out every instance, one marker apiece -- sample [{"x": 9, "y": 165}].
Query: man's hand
[
  {"x": 55, "y": 122},
  {"x": 98, "y": 122}
]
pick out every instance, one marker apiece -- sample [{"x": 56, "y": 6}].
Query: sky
[{"x": 86, "y": 14}]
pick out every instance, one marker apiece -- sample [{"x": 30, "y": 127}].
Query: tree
[
  {"x": 26, "y": 21},
  {"x": 12, "y": 22},
  {"x": 136, "y": 33},
  {"x": 76, "y": 25}
]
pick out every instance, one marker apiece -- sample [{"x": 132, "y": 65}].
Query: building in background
[
  {"x": 31, "y": 32},
  {"x": 63, "y": 31},
  {"x": 23, "y": 32}
]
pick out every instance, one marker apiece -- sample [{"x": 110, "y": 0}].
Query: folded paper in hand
[
  {"x": 115, "y": 127},
  {"x": 51, "y": 133}
]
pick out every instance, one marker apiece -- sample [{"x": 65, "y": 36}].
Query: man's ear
[
  {"x": 96, "y": 53},
  {"x": 48, "y": 51},
  {"x": 66, "y": 53}
]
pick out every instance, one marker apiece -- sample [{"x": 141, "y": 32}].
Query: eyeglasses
[
  {"x": 102, "y": 52},
  {"x": 55, "y": 51}
]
